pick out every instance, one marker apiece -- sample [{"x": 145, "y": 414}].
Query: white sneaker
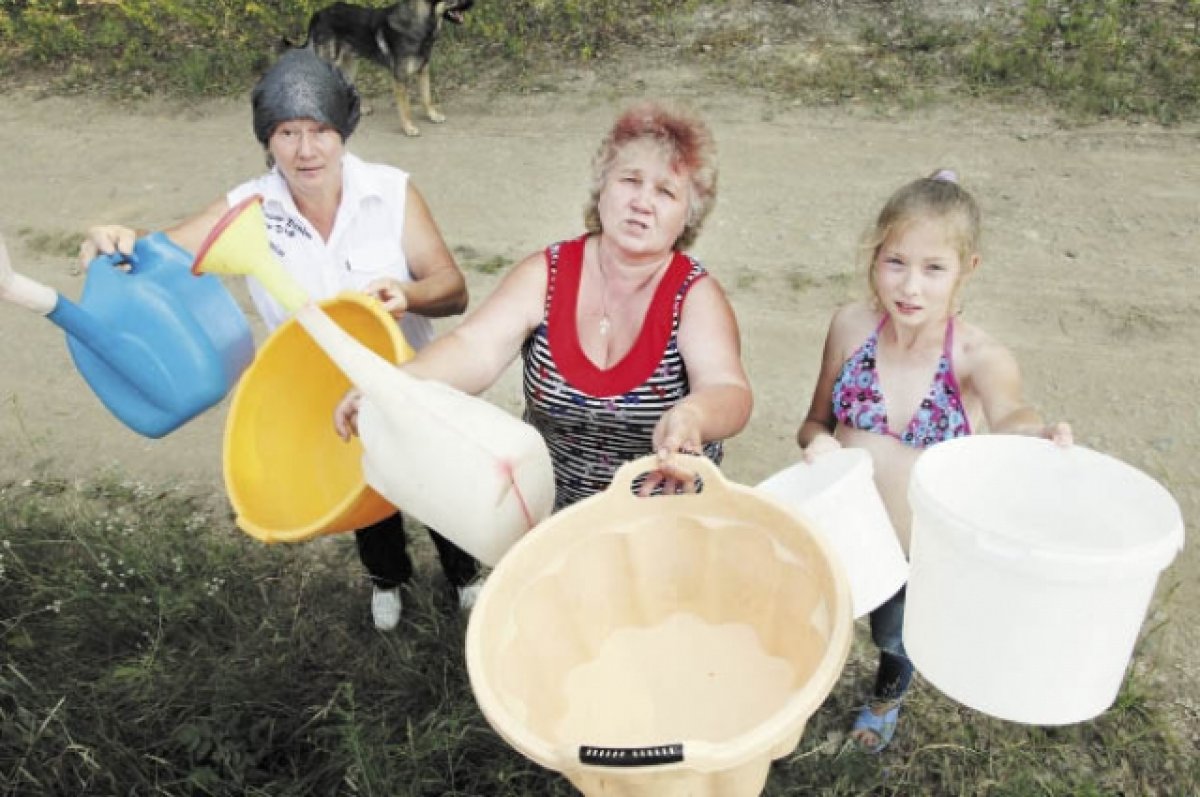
[
  {"x": 468, "y": 595},
  {"x": 385, "y": 608}
]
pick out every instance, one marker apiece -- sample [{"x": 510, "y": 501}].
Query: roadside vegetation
[
  {"x": 1088, "y": 58},
  {"x": 151, "y": 648}
]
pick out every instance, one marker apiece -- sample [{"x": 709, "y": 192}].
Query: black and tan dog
[{"x": 399, "y": 37}]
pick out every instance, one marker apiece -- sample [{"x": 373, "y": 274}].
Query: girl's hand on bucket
[
  {"x": 1060, "y": 433},
  {"x": 390, "y": 293},
  {"x": 105, "y": 239},
  {"x": 345, "y": 414},
  {"x": 821, "y": 444}
]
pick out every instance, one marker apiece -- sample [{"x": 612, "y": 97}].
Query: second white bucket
[
  {"x": 837, "y": 493},
  {"x": 1032, "y": 570}
]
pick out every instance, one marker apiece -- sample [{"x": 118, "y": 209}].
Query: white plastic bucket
[
  {"x": 670, "y": 646},
  {"x": 1032, "y": 567},
  {"x": 837, "y": 493}
]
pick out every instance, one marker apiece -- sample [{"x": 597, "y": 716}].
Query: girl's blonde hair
[
  {"x": 687, "y": 142},
  {"x": 938, "y": 196}
]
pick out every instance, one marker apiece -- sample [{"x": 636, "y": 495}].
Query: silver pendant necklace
[{"x": 605, "y": 323}]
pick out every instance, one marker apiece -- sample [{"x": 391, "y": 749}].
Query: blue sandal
[{"x": 882, "y": 725}]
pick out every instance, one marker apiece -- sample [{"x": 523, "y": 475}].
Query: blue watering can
[{"x": 156, "y": 344}]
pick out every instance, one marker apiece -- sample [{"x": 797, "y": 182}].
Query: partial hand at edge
[
  {"x": 105, "y": 239},
  {"x": 345, "y": 414},
  {"x": 390, "y": 294},
  {"x": 1060, "y": 434},
  {"x": 677, "y": 432},
  {"x": 820, "y": 445}
]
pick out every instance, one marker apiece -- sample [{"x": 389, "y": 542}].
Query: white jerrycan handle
[{"x": 364, "y": 368}]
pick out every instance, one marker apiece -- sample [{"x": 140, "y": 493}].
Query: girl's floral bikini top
[{"x": 858, "y": 400}]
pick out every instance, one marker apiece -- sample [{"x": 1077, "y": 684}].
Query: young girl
[{"x": 900, "y": 373}]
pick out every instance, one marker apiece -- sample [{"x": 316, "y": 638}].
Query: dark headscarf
[{"x": 302, "y": 86}]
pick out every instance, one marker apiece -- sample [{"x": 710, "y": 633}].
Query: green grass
[
  {"x": 1095, "y": 57},
  {"x": 151, "y": 648},
  {"x": 214, "y": 47},
  {"x": 472, "y": 260},
  {"x": 1089, "y": 58},
  {"x": 56, "y": 243}
]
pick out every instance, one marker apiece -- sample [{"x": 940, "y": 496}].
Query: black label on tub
[{"x": 631, "y": 756}]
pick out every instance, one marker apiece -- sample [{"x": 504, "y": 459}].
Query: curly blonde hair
[{"x": 687, "y": 142}]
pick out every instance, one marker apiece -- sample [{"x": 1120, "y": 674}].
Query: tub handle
[
  {"x": 655, "y": 755},
  {"x": 711, "y": 478}
]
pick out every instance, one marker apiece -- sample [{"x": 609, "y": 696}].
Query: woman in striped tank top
[{"x": 629, "y": 346}]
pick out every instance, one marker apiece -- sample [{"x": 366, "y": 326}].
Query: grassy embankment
[
  {"x": 151, "y": 648},
  {"x": 1087, "y": 57}
]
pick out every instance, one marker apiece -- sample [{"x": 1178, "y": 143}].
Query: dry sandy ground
[{"x": 1089, "y": 267}]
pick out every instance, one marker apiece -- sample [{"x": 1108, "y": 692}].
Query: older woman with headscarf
[
  {"x": 629, "y": 346},
  {"x": 338, "y": 223}
]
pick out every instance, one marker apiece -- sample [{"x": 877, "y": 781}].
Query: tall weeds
[
  {"x": 149, "y": 648},
  {"x": 1096, "y": 57},
  {"x": 210, "y": 47},
  {"x": 1091, "y": 57}
]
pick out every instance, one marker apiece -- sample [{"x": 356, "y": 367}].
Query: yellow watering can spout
[{"x": 237, "y": 245}]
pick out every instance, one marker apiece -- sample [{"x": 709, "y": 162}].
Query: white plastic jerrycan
[{"x": 470, "y": 470}]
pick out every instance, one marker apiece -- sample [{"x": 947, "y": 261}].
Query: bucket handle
[
  {"x": 656, "y": 755},
  {"x": 710, "y": 474}
]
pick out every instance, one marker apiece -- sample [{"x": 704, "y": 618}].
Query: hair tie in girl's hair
[{"x": 946, "y": 176}]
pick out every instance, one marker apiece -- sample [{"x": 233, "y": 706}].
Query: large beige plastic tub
[{"x": 665, "y": 646}]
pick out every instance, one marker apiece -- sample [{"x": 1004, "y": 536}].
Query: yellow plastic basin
[{"x": 288, "y": 475}]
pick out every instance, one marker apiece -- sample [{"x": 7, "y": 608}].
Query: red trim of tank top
[{"x": 640, "y": 362}]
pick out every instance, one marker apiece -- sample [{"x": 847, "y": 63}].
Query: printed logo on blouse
[{"x": 282, "y": 224}]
